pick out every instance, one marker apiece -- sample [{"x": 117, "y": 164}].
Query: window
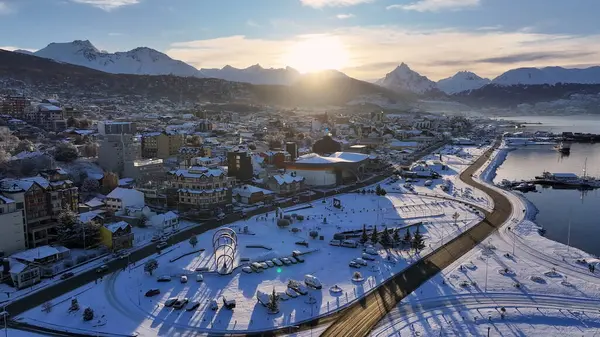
[{"x": 20, "y": 205}]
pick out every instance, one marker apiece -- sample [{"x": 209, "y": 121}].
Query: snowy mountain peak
[
  {"x": 462, "y": 81},
  {"x": 255, "y": 67},
  {"x": 549, "y": 75},
  {"x": 405, "y": 79}
]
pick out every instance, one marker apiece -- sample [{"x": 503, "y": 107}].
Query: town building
[
  {"x": 46, "y": 116},
  {"x": 121, "y": 198},
  {"x": 239, "y": 165},
  {"x": 162, "y": 145},
  {"x": 116, "y": 128},
  {"x": 187, "y": 153},
  {"x": 117, "y": 146},
  {"x": 165, "y": 223},
  {"x": 12, "y": 231},
  {"x": 117, "y": 236},
  {"x": 328, "y": 171},
  {"x": 14, "y": 106},
  {"x": 249, "y": 194},
  {"x": 292, "y": 149},
  {"x": 200, "y": 188},
  {"x": 144, "y": 170},
  {"x": 204, "y": 126},
  {"x": 43, "y": 201},
  {"x": 286, "y": 184}
]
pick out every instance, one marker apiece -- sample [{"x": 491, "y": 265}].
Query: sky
[{"x": 363, "y": 38}]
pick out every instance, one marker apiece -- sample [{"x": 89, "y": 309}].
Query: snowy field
[
  {"x": 544, "y": 286},
  {"x": 121, "y": 306}
]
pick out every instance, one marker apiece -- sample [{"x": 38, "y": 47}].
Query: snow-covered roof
[
  {"x": 27, "y": 154},
  {"x": 160, "y": 218},
  {"x": 398, "y": 143},
  {"x": 16, "y": 267},
  {"x": 338, "y": 157},
  {"x": 23, "y": 183},
  {"x": 198, "y": 172},
  {"x": 95, "y": 176},
  {"x": 247, "y": 190},
  {"x": 287, "y": 178},
  {"x": 113, "y": 227},
  {"x": 185, "y": 190},
  {"x": 129, "y": 197},
  {"x": 87, "y": 216},
  {"x": 37, "y": 253},
  {"x": 48, "y": 107},
  {"x": 6, "y": 200}
]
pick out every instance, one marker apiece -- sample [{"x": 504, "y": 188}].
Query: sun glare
[{"x": 315, "y": 53}]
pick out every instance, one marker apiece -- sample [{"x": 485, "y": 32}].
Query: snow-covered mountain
[
  {"x": 548, "y": 75},
  {"x": 462, "y": 81},
  {"x": 254, "y": 74},
  {"x": 139, "y": 61},
  {"x": 404, "y": 79},
  {"x": 23, "y": 51}
]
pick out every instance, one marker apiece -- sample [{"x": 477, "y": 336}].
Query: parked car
[
  {"x": 152, "y": 292},
  {"x": 291, "y": 293},
  {"x": 292, "y": 260},
  {"x": 171, "y": 301},
  {"x": 286, "y": 261},
  {"x": 298, "y": 258},
  {"x": 102, "y": 269},
  {"x": 162, "y": 245},
  {"x": 371, "y": 251},
  {"x": 354, "y": 264},
  {"x": 264, "y": 265},
  {"x": 367, "y": 257},
  {"x": 192, "y": 306},
  {"x": 183, "y": 279},
  {"x": 229, "y": 303},
  {"x": 214, "y": 305},
  {"x": 247, "y": 269},
  {"x": 312, "y": 281},
  {"x": 66, "y": 275},
  {"x": 349, "y": 243},
  {"x": 179, "y": 304},
  {"x": 199, "y": 277},
  {"x": 335, "y": 242},
  {"x": 270, "y": 263},
  {"x": 360, "y": 261},
  {"x": 155, "y": 238},
  {"x": 164, "y": 278},
  {"x": 277, "y": 262}
]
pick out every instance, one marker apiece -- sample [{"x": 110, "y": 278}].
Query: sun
[{"x": 317, "y": 52}]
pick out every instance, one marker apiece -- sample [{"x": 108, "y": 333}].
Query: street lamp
[{"x": 486, "y": 272}]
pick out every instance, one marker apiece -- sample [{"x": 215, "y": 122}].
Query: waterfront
[
  {"x": 558, "y": 124},
  {"x": 559, "y": 206}
]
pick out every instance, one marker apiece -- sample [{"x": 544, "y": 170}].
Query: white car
[
  {"x": 270, "y": 263},
  {"x": 199, "y": 277},
  {"x": 183, "y": 279},
  {"x": 360, "y": 261}
]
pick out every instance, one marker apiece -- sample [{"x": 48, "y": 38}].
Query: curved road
[{"x": 360, "y": 318}]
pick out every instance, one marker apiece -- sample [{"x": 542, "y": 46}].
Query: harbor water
[{"x": 559, "y": 206}]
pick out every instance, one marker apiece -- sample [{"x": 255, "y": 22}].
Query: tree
[
  {"x": 47, "y": 307},
  {"x": 273, "y": 304},
  {"x": 417, "y": 241},
  {"x": 66, "y": 229},
  {"x": 71, "y": 121},
  {"x": 90, "y": 150},
  {"x": 193, "y": 241},
  {"x": 65, "y": 152},
  {"x": 90, "y": 185},
  {"x": 374, "y": 236},
  {"x": 24, "y": 145},
  {"x": 150, "y": 266},
  {"x": 396, "y": 236},
  {"x": 110, "y": 182},
  {"x": 88, "y": 314},
  {"x": 143, "y": 221},
  {"x": 84, "y": 123},
  {"x": 364, "y": 237},
  {"x": 386, "y": 239},
  {"x": 407, "y": 237}
]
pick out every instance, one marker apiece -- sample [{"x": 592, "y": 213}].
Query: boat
[{"x": 563, "y": 147}]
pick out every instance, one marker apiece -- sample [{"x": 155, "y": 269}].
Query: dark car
[
  {"x": 152, "y": 292},
  {"x": 66, "y": 275}
]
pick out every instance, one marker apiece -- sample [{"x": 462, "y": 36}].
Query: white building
[
  {"x": 166, "y": 222},
  {"x": 121, "y": 198},
  {"x": 12, "y": 229}
]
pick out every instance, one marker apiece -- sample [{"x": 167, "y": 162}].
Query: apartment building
[
  {"x": 162, "y": 145},
  {"x": 43, "y": 201},
  {"x": 14, "y": 106},
  {"x": 46, "y": 116},
  {"x": 188, "y": 153},
  {"x": 118, "y": 146},
  {"x": 12, "y": 229},
  {"x": 200, "y": 187}
]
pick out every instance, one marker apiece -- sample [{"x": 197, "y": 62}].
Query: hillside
[{"x": 28, "y": 73}]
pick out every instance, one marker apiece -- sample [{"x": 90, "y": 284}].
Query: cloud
[
  {"x": 374, "y": 51},
  {"x": 344, "y": 16},
  {"x": 252, "y": 23},
  {"x": 436, "y": 5},
  {"x": 13, "y": 48},
  {"x": 115, "y": 34},
  {"x": 332, "y": 3},
  {"x": 107, "y": 5},
  {"x": 5, "y": 8}
]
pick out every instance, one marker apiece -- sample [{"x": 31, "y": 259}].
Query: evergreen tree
[
  {"x": 88, "y": 314},
  {"x": 386, "y": 239},
  {"x": 407, "y": 236},
  {"x": 273, "y": 304},
  {"x": 378, "y": 190},
  {"x": 66, "y": 229},
  {"x": 374, "y": 236},
  {"x": 396, "y": 236},
  {"x": 193, "y": 241},
  {"x": 417, "y": 241},
  {"x": 364, "y": 237}
]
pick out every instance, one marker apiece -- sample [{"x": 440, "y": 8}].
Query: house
[
  {"x": 121, "y": 198},
  {"x": 249, "y": 194},
  {"x": 167, "y": 222},
  {"x": 286, "y": 184},
  {"x": 117, "y": 236},
  {"x": 21, "y": 275},
  {"x": 91, "y": 217}
]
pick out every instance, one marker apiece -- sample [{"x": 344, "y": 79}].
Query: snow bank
[{"x": 497, "y": 158}]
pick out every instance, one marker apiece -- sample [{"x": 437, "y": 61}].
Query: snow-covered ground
[
  {"x": 121, "y": 307},
  {"x": 540, "y": 284}
]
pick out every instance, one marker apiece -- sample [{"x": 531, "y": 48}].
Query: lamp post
[{"x": 486, "y": 273}]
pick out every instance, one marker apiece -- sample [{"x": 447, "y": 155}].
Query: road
[{"x": 360, "y": 318}]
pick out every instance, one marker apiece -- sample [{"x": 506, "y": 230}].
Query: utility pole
[{"x": 486, "y": 273}]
